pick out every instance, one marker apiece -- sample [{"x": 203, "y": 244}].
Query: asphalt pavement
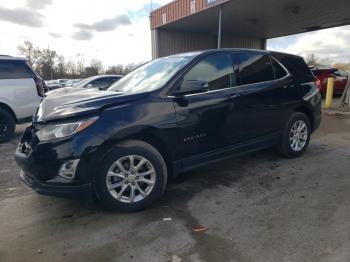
[{"x": 259, "y": 207}]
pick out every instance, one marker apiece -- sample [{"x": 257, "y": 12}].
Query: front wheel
[
  {"x": 132, "y": 178},
  {"x": 296, "y": 136}
]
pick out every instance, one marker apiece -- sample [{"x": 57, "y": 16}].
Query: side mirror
[
  {"x": 90, "y": 86},
  {"x": 192, "y": 87}
]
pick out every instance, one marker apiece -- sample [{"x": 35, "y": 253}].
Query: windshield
[{"x": 153, "y": 75}]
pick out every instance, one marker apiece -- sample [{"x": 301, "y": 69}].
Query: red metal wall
[{"x": 176, "y": 10}]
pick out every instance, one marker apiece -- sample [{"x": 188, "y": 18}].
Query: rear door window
[
  {"x": 255, "y": 68},
  {"x": 11, "y": 69},
  {"x": 216, "y": 70}
]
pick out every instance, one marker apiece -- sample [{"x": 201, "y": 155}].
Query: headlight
[{"x": 54, "y": 131}]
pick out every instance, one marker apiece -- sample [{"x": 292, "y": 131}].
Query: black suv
[{"x": 168, "y": 116}]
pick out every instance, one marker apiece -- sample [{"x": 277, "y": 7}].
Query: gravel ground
[{"x": 258, "y": 207}]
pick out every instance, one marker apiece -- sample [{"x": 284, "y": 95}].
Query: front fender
[{"x": 153, "y": 122}]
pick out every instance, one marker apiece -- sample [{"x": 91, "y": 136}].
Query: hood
[
  {"x": 63, "y": 91},
  {"x": 63, "y": 104}
]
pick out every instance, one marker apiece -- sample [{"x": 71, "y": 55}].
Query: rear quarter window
[
  {"x": 278, "y": 70},
  {"x": 10, "y": 69},
  {"x": 296, "y": 66}
]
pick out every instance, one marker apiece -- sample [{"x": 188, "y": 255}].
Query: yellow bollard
[{"x": 329, "y": 94}]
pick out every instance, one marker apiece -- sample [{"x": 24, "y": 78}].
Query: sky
[
  {"x": 118, "y": 31},
  {"x": 330, "y": 45}
]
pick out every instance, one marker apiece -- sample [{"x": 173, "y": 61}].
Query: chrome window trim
[
  {"x": 234, "y": 87},
  {"x": 239, "y": 86},
  {"x": 284, "y": 68}
]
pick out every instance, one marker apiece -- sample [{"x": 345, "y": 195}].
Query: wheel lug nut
[{"x": 126, "y": 182}]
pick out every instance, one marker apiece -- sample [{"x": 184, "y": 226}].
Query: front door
[{"x": 210, "y": 120}]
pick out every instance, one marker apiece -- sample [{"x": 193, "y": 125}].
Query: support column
[
  {"x": 155, "y": 43},
  {"x": 220, "y": 27},
  {"x": 263, "y": 44}
]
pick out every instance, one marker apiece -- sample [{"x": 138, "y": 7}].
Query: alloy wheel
[
  {"x": 298, "y": 135},
  {"x": 131, "y": 179}
]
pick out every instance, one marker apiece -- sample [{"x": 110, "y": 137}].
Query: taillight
[
  {"x": 46, "y": 88},
  {"x": 318, "y": 84},
  {"x": 40, "y": 86}
]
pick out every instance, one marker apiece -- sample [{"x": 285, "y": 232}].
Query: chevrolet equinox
[{"x": 170, "y": 115}]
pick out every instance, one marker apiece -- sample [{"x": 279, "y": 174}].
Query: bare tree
[
  {"x": 46, "y": 63},
  {"x": 80, "y": 64},
  {"x": 28, "y": 50},
  {"x": 115, "y": 70},
  {"x": 49, "y": 64},
  {"x": 311, "y": 60},
  {"x": 97, "y": 65},
  {"x": 71, "y": 69},
  {"x": 61, "y": 67}
]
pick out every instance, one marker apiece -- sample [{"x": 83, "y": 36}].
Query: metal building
[{"x": 187, "y": 25}]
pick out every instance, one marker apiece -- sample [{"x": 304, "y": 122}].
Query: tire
[
  {"x": 7, "y": 125},
  {"x": 287, "y": 147},
  {"x": 114, "y": 184}
]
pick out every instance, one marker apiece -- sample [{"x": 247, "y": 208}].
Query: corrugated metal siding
[
  {"x": 235, "y": 42},
  {"x": 174, "y": 11},
  {"x": 168, "y": 42}
]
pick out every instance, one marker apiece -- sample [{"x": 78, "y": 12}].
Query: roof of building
[{"x": 252, "y": 18}]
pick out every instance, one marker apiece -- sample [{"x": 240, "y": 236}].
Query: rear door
[
  {"x": 17, "y": 86},
  {"x": 270, "y": 93}
]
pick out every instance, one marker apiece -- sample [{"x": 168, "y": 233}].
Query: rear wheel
[
  {"x": 296, "y": 136},
  {"x": 132, "y": 178},
  {"x": 7, "y": 125}
]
